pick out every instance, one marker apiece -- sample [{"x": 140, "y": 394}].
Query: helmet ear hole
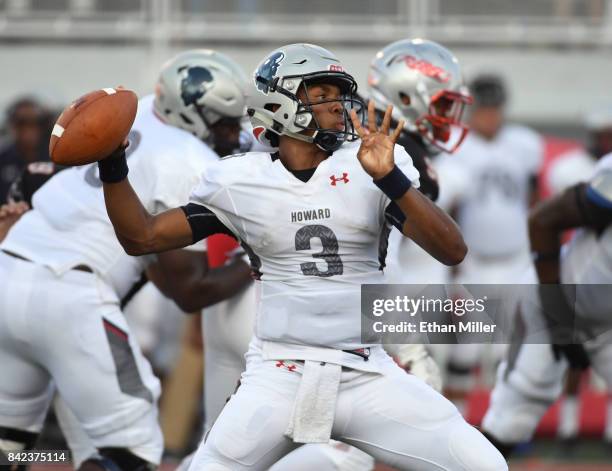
[
  {"x": 272, "y": 106},
  {"x": 405, "y": 99}
]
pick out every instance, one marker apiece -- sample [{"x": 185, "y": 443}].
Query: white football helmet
[
  {"x": 197, "y": 88},
  {"x": 275, "y": 109},
  {"x": 599, "y": 126},
  {"x": 423, "y": 82}
]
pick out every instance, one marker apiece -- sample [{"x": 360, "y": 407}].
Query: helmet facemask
[
  {"x": 326, "y": 139},
  {"x": 441, "y": 126},
  {"x": 423, "y": 81}
]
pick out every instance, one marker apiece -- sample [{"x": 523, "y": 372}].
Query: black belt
[
  {"x": 83, "y": 268},
  {"x": 360, "y": 352}
]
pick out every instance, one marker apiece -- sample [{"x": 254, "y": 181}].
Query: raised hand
[{"x": 376, "y": 151}]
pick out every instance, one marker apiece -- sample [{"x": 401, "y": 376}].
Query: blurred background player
[
  {"x": 29, "y": 123},
  {"x": 68, "y": 274},
  {"x": 157, "y": 321},
  {"x": 499, "y": 163},
  {"x": 575, "y": 166},
  {"x": 489, "y": 183},
  {"x": 531, "y": 378},
  {"x": 423, "y": 81}
]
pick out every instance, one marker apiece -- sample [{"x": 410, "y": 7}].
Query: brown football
[{"x": 93, "y": 126}]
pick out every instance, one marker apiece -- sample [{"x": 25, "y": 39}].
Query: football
[{"x": 93, "y": 126}]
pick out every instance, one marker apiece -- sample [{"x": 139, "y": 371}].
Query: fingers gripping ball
[{"x": 93, "y": 126}]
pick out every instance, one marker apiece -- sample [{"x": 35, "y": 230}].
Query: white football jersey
[
  {"x": 489, "y": 180},
  {"x": 587, "y": 260},
  {"x": 69, "y": 226},
  {"x": 568, "y": 169},
  {"x": 312, "y": 243}
]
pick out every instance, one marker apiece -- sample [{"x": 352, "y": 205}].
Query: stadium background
[{"x": 554, "y": 54}]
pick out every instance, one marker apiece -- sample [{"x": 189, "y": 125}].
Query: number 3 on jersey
[{"x": 329, "y": 241}]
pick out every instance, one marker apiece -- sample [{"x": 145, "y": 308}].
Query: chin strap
[{"x": 327, "y": 141}]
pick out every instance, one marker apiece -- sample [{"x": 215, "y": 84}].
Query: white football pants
[
  {"x": 393, "y": 416},
  {"x": 64, "y": 332}
]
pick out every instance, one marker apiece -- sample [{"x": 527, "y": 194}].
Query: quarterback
[{"x": 309, "y": 378}]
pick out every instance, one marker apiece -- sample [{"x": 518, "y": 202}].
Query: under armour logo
[
  {"x": 281, "y": 364},
  {"x": 343, "y": 178}
]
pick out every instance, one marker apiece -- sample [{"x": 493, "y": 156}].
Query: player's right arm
[{"x": 138, "y": 231}]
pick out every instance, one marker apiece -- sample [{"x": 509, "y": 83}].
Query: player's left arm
[
  {"x": 425, "y": 223},
  {"x": 583, "y": 205}
]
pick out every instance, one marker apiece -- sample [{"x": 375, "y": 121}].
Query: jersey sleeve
[
  {"x": 454, "y": 178},
  {"x": 594, "y": 199},
  {"x": 531, "y": 148},
  {"x": 599, "y": 189},
  {"x": 568, "y": 169},
  {"x": 173, "y": 185},
  {"x": 213, "y": 193}
]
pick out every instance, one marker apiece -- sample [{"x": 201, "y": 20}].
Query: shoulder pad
[
  {"x": 599, "y": 190},
  {"x": 232, "y": 156}
]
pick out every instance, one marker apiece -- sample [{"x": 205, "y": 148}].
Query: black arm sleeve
[
  {"x": 416, "y": 149},
  {"x": 595, "y": 213},
  {"x": 395, "y": 216},
  {"x": 203, "y": 222},
  {"x": 31, "y": 179}
]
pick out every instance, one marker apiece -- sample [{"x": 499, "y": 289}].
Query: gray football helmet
[
  {"x": 423, "y": 82},
  {"x": 275, "y": 109},
  {"x": 197, "y": 88}
]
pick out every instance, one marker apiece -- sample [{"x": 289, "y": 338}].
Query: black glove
[{"x": 576, "y": 355}]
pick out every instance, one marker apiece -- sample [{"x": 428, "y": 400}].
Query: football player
[
  {"x": 532, "y": 377},
  {"x": 491, "y": 183},
  {"x": 313, "y": 219},
  {"x": 568, "y": 169},
  {"x": 224, "y": 325},
  {"x": 499, "y": 162},
  {"x": 226, "y": 329},
  {"x": 65, "y": 274},
  {"x": 423, "y": 81}
]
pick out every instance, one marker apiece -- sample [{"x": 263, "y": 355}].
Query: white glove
[{"x": 416, "y": 360}]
